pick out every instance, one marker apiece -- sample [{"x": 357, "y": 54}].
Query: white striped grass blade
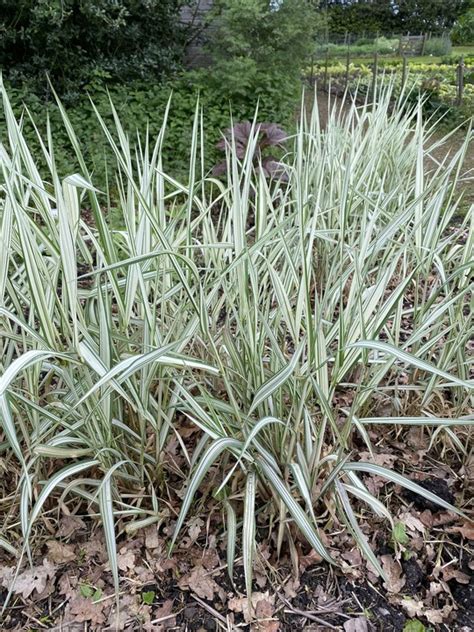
[
  {"x": 216, "y": 448},
  {"x": 302, "y": 486},
  {"x": 398, "y": 479},
  {"x": 356, "y": 530},
  {"x": 231, "y": 538},
  {"x": 362, "y": 494},
  {"x": 8, "y": 425},
  {"x": 295, "y": 511},
  {"x": 248, "y": 533},
  {"x": 418, "y": 421},
  {"x": 65, "y": 472},
  {"x": 107, "y": 515},
  {"x": 23, "y": 362},
  {"x": 253, "y": 433},
  {"x": 384, "y": 347},
  {"x": 4, "y": 544},
  {"x": 275, "y": 382}
]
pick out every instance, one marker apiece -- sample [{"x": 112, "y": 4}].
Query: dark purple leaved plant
[{"x": 269, "y": 135}]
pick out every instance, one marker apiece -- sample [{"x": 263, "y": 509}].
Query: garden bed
[{"x": 256, "y": 385}]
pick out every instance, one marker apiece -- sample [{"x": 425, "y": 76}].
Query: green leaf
[
  {"x": 399, "y": 534},
  {"x": 148, "y": 597},
  {"x": 86, "y": 590},
  {"x": 414, "y": 626},
  {"x": 97, "y": 595}
]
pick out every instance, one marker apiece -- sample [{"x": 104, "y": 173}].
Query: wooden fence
[{"x": 412, "y": 44}]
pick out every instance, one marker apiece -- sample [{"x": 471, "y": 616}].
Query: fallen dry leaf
[
  {"x": 393, "y": 571},
  {"x": 30, "y": 580},
  {"x": 375, "y": 483},
  {"x": 194, "y": 530},
  {"x": 449, "y": 572},
  {"x": 412, "y": 522},
  {"x": 309, "y": 560},
  {"x": 264, "y": 613},
  {"x": 378, "y": 459},
  {"x": 466, "y": 530},
  {"x": 438, "y": 616},
  {"x": 210, "y": 559},
  {"x": 291, "y": 588},
  {"x": 163, "y": 612},
  {"x": 125, "y": 559},
  {"x": 417, "y": 438},
  {"x": 94, "y": 549},
  {"x": 356, "y": 625},
  {"x": 261, "y": 601},
  {"x": 67, "y": 585},
  {"x": 426, "y": 517},
  {"x": 200, "y": 582},
  {"x": 418, "y": 609},
  {"x": 69, "y": 525},
  {"x": 60, "y": 553},
  {"x": 152, "y": 540},
  {"x": 354, "y": 557},
  {"x": 83, "y": 609},
  {"x": 412, "y": 608},
  {"x": 444, "y": 518}
]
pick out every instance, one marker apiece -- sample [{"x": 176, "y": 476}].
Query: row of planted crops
[{"x": 447, "y": 87}]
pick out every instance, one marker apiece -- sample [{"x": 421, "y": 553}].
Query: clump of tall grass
[{"x": 244, "y": 305}]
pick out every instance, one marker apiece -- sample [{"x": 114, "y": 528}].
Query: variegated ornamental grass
[{"x": 243, "y": 305}]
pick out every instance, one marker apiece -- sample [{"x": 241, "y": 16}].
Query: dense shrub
[
  {"x": 438, "y": 46},
  {"x": 74, "y": 41}
]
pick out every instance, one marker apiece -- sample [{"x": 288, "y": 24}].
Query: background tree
[
  {"x": 383, "y": 16},
  {"x": 463, "y": 31},
  {"x": 421, "y": 16},
  {"x": 256, "y": 46},
  {"x": 358, "y": 17}
]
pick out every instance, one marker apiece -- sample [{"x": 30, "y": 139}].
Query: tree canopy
[{"x": 371, "y": 16}]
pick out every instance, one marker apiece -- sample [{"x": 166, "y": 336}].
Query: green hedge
[
  {"x": 142, "y": 103},
  {"x": 74, "y": 41}
]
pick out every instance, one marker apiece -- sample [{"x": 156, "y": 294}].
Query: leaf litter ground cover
[{"x": 272, "y": 375}]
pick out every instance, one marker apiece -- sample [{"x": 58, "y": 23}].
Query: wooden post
[
  {"x": 326, "y": 63},
  {"x": 460, "y": 82},
  {"x": 404, "y": 73},
  {"x": 375, "y": 70},
  {"x": 423, "y": 45},
  {"x": 311, "y": 77},
  {"x": 348, "y": 61}
]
